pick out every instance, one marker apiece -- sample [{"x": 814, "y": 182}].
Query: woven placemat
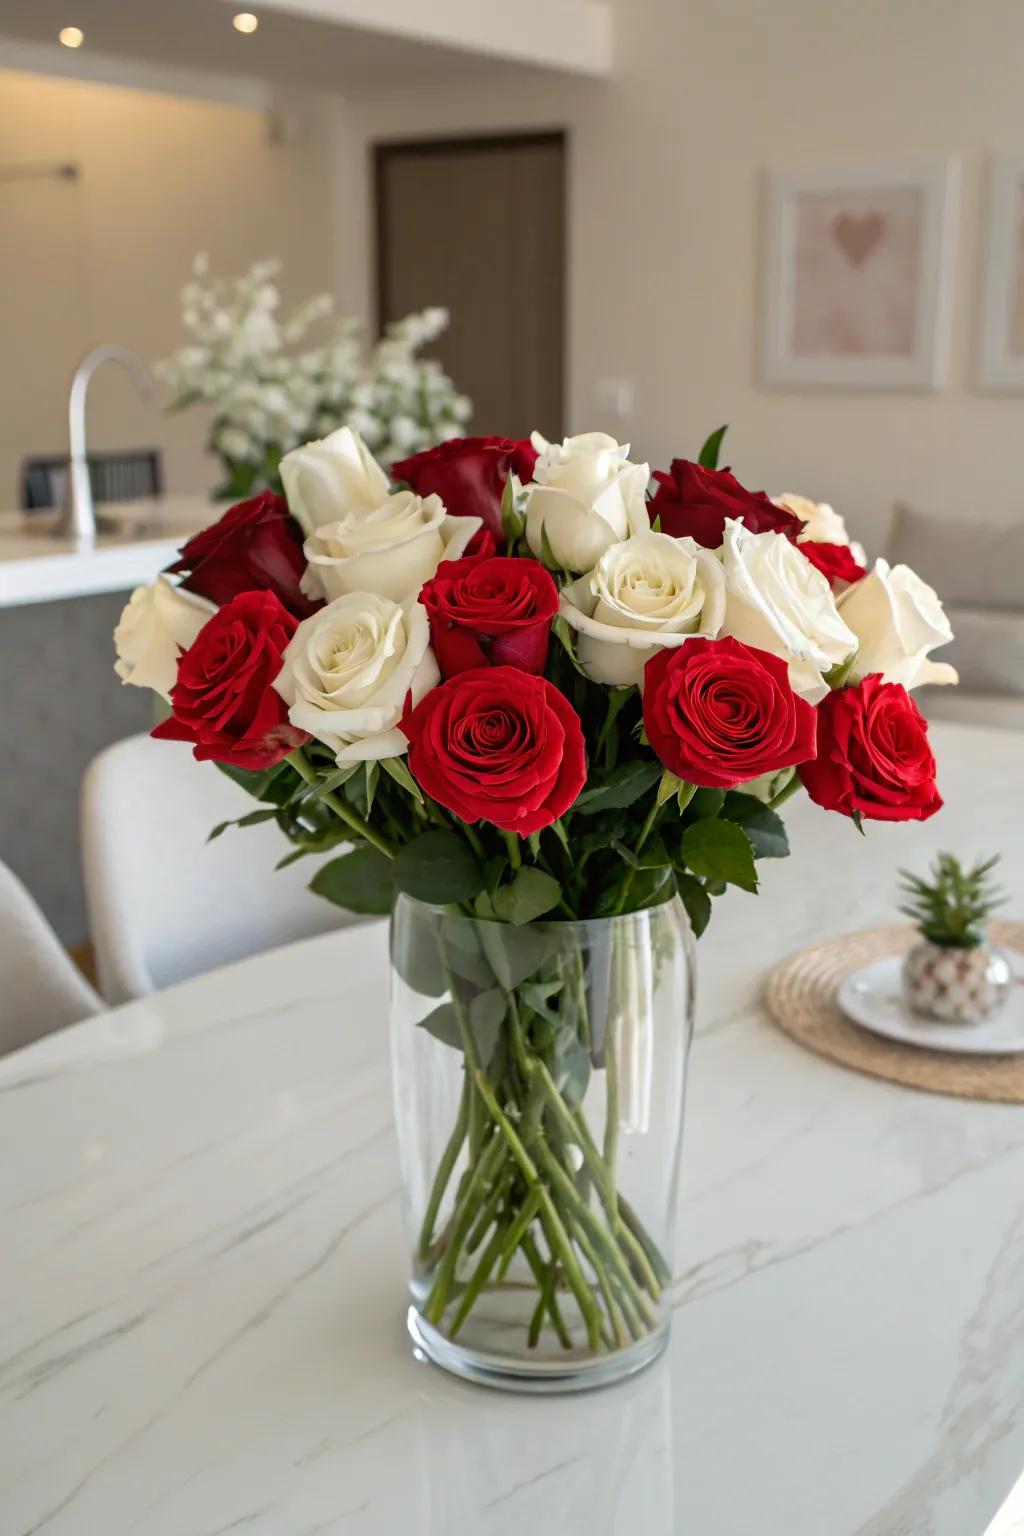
[{"x": 801, "y": 998}]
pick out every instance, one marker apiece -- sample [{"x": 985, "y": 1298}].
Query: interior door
[{"x": 478, "y": 225}]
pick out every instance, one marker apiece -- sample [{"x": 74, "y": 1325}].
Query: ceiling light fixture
[
  {"x": 245, "y": 21},
  {"x": 71, "y": 37}
]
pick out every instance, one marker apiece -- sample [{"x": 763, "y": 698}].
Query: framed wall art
[
  {"x": 858, "y": 276},
  {"x": 1002, "y": 332}
]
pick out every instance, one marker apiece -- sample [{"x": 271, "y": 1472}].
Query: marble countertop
[
  {"x": 202, "y": 1271},
  {"x": 37, "y": 568}
]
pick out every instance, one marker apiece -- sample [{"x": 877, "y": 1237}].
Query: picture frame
[
  {"x": 1002, "y": 323},
  {"x": 857, "y": 288}
]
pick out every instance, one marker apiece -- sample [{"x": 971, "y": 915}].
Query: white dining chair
[
  {"x": 164, "y": 904},
  {"x": 40, "y": 987}
]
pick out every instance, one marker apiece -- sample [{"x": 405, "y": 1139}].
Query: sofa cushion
[
  {"x": 987, "y": 649},
  {"x": 977, "y": 564}
]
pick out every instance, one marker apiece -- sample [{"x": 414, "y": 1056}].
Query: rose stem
[
  {"x": 615, "y": 1339},
  {"x": 346, "y": 814},
  {"x": 557, "y": 1236},
  {"x": 444, "y": 1172},
  {"x": 517, "y": 1231},
  {"x": 482, "y": 1173},
  {"x": 477, "y": 1280},
  {"x": 645, "y": 832},
  {"x": 651, "y": 1249},
  {"x": 568, "y": 1193},
  {"x": 540, "y": 1271},
  {"x": 547, "y": 1287}
]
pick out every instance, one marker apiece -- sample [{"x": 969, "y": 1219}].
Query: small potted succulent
[{"x": 953, "y": 975}]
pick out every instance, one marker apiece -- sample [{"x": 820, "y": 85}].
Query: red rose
[
  {"x": 255, "y": 547},
  {"x": 718, "y": 712},
  {"x": 874, "y": 758},
  {"x": 834, "y": 561},
  {"x": 694, "y": 501},
  {"x": 223, "y": 702},
  {"x": 493, "y": 613},
  {"x": 481, "y": 546},
  {"x": 469, "y": 474},
  {"x": 498, "y": 745}
]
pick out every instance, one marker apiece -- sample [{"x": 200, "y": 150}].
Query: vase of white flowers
[{"x": 269, "y": 387}]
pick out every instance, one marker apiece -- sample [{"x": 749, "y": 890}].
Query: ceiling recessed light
[
  {"x": 245, "y": 21},
  {"x": 71, "y": 37}
]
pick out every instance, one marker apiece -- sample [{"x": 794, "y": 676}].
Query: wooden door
[{"x": 478, "y": 225}]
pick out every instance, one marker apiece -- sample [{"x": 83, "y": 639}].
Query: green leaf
[
  {"x": 335, "y": 780},
  {"x": 515, "y": 953},
  {"x": 486, "y": 1012},
  {"x": 438, "y": 867},
  {"x": 563, "y": 633},
  {"x": 839, "y": 675},
  {"x": 529, "y": 895},
  {"x": 443, "y": 1023},
  {"x": 766, "y": 829},
  {"x": 416, "y": 956},
  {"x": 667, "y": 788},
  {"x": 513, "y": 523},
  {"x": 708, "y": 456},
  {"x": 251, "y": 819},
  {"x": 276, "y": 785},
  {"x": 547, "y": 554},
  {"x": 397, "y": 769},
  {"x": 696, "y": 901},
  {"x": 360, "y": 880},
  {"x": 619, "y": 788},
  {"x": 372, "y": 775},
  {"x": 720, "y": 850},
  {"x": 706, "y": 802}
]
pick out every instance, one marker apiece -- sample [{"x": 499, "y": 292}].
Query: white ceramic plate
[{"x": 872, "y": 997}]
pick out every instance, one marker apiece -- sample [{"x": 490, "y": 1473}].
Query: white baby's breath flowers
[
  {"x": 777, "y": 600},
  {"x": 898, "y": 620},
  {"x": 644, "y": 594},
  {"x": 585, "y": 496},
  {"x": 348, "y": 669},
  {"x": 157, "y": 624}
]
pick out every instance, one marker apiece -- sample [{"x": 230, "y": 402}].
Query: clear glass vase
[{"x": 539, "y": 1074}]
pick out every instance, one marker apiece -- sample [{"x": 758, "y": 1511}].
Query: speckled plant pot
[{"x": 956, "y": 986}]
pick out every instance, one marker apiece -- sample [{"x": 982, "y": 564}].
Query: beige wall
[
  {"x": 665, "y": 184},
  {"x": 103, "y": 258}
]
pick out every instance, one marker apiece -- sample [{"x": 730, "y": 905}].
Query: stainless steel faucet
[{"x": 80, "y": 516}]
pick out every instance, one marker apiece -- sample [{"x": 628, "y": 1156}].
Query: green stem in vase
[
  {"x": 484, "y": 1171},
  {"x": 478, "y": 1280},
  {"x": 540, "y": 1272},
  {"x": 444, "y": 1172}
]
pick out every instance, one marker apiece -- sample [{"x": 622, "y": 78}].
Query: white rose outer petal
[
  {"x": 777, "y": 600},
  {"x": 898, "y": 619},
  {"x": 347, "y": 671},
  {"x": 324, "y": 480},
  {"x": 680, "y": 593},
  {"x": 158, "y": 623}
]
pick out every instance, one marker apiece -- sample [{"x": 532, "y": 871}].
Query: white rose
[
  {"x": 390, "y": 549},
  {"x": 898, "y": 619},
  {"x": 777, "y": 601},
  {"x": 325, "y": 479},
  {"x": 158, "y": 623},
  {"x": 647, "y": 593},
  {"x": 585, "y": 496},
  {"x": 347, "y": 670},
  {"x": 822, "y": 523}
]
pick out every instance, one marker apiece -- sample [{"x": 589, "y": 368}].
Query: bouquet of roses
[{"x": 527, "y": 681}]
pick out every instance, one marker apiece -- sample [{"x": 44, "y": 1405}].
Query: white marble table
[{"x": 201, "y": 1269}]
